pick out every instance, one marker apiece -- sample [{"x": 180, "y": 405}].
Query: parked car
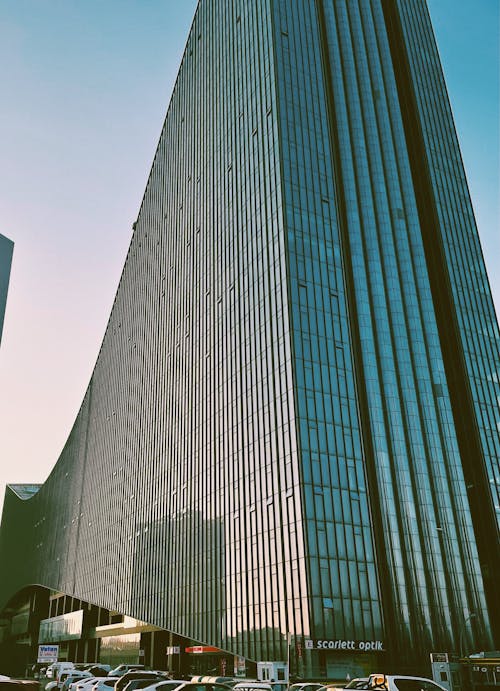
[
  {"x": 154, "y": 675},
  {"x": 358, "y": 683},
  {"x": 306, "y": 686},
  {"x": 229, "y": 681},
  {"x": 203, "y": 686},
  {"x": 85, "y": 684},
  {"x": 253, "y": 686},
  {"x": 62, "y": 676},
  {"x": 123, "y": 669},
  {"x": 67, "y": 678},
  {"x": 37, "y": 670},
  {"x": 165, "y": 685},
  {"x": 391, "y": 682},
  {"x": 105, "y": 684},
  {"x": 134, "y": 684},
  {"x": 97, "y": 669},
  {"x": 55, "y": 669},
  {"x": 8, "y": 684}
]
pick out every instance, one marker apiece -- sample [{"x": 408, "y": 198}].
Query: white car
[
  {"x": 71, "y": 676},
  {"x": 306, "y": 686},
  {"x": 390, "y": 682},
  {"x": 85, "y": 684},
  {"x": 123, "y": 669},
  {"x": 105, "y": 684},
  {"x": 359, "y": 683},
  {"x": 54, "y": 670},
  {"x": 167, "y": 685},
  {"x": 252, "y": 686},
  {"x": 203, "y": 686}
]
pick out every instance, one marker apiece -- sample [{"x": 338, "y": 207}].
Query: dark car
[{"x": 19, "y": 685}]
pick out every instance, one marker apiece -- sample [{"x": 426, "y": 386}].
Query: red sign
[{"x": 199, "y": 649}]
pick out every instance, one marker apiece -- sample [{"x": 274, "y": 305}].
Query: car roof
[
  {"x": 402, "y": 676},
  {"x": 143, "y": 671},
  {"x": 188, "y": 684},
  {"x": 106, "y": 680}
]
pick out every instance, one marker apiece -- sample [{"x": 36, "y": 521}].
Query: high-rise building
[
  {"x": 6, "y": 250},
  {"x": 292, "y": 428}
]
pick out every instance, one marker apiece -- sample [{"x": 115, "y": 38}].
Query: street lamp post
[{"x": 472, "y": 615}]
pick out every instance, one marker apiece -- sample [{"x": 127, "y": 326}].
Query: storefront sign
[
  {"x": 339, "y": 644},
  {"x": 199, "y": 649},
  {"x": 173, "y": 650},
  {"x": 48, "y": 653}
]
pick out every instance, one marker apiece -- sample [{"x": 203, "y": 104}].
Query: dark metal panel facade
[{"x": 177, "y": 497}]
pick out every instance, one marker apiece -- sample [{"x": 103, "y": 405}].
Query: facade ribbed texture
[{"x": 280, "y": 433}]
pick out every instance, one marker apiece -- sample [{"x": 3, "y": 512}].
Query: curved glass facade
[{"x": 281, "y": 431}]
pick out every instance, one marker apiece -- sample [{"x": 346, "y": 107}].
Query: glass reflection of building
[{"x": 298, "y": 385}]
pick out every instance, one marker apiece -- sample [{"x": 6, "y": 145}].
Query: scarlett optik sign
[{"x": 340, "y": 644}]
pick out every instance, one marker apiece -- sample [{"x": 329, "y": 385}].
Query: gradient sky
[{"x": 85, "y": 88}]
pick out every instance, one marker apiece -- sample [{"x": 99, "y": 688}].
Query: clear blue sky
[{"x": 85, "y": 87}]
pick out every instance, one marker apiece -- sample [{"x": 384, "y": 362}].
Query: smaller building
[
  {"x": 39, "y": 622},
  {"x": 476, "y": 672},
  {"x": 6, "y": 251}
]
